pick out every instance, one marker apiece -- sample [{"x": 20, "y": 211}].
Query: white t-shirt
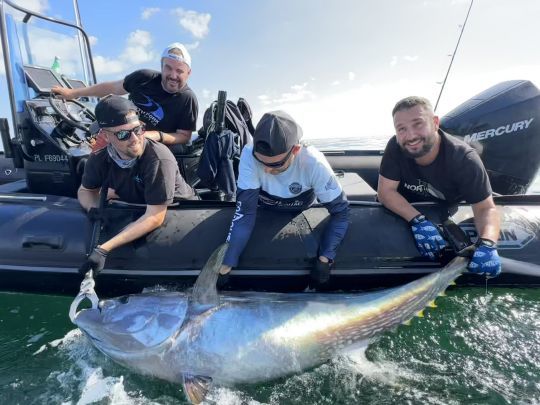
[{"x": 309, "y": 176}]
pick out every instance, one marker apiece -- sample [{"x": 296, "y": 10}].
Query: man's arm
[
  {"x": 88, "y": 198},
  {"x": 181, "y": 136},
  {"x": 242, "y": 226},
  {"x": 97, "y": 90},
  {"x": 388, "y": 195},
  {"x": 487, "y": 219},
  {"x": 337, "y": 227},
  {"x": 152, "y": 219}
]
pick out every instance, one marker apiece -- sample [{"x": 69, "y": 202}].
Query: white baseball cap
[{"x": 184, "y": 57}]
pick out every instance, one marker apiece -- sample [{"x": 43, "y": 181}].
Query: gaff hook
[{"x": 86, "y": 292}]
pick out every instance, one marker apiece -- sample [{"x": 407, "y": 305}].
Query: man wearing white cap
[{"x": 164, "y": 101}]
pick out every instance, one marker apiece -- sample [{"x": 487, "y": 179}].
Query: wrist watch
[
  {"x": 160, "y": 136},
  {"x": 486, "y": 242}
]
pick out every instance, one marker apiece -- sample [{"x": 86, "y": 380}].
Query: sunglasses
[
  {"x": 125, "y": 134},
  {"x": 275, "y": 164}
]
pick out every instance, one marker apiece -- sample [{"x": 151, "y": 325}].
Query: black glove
[
  {"x": 95, "y": 262},
  {"x": 320, "y": 273}
]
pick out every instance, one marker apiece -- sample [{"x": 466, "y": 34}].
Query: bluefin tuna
[{"x": 201, "y": 338}]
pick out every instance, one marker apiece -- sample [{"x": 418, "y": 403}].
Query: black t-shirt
[
  {"x": 159, "y": 109},
  {"x": 456, "y": 174},
  {"x": 154, "y": 180}
]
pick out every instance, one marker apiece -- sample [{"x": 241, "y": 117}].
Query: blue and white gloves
[
  {"x": 428, "y": 240},
  {"x": 485, "y": 260}
]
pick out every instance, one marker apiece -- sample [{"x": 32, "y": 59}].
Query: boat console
[{"x": 56, "y": 135}]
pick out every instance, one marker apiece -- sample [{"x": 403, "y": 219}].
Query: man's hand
[
  {"x": 224, "y": 269},
  {"x": 223, "y": 276},
  {"x": 486, "y": 259},
  {"x": 63, "y": 92},
  {"x": 320, "y": 273},
  {"x": 95, "y": 262},
  {"x": 428, "y": 240}
]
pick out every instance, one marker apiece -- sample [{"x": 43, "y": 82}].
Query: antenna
[{"x": 453, "y": 55}]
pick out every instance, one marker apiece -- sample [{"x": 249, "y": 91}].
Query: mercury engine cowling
[{"x": 503, "y": 124}]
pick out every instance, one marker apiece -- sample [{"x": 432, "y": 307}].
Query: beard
[
  {"x": 429, "y": 142},
  {"x": 172, "y": 86}
]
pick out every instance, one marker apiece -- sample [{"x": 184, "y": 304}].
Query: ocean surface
[{"x": 479, "y": 346}]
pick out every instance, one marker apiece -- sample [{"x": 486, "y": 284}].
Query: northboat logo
[
  {"x": 503, "y": 129},
  {"x": 420, "y": 188},
  {"x": 511, "y": 236}
]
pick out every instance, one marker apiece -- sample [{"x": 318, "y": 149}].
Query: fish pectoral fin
[{"x": 196, "y": 387}]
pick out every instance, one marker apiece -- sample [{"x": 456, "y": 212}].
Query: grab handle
[{"x": 40, "y": 241}]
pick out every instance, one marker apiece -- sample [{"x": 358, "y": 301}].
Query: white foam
[
  {"x": 228, "y": 396},
  {"x": 96, "y": 388},
  {"x": 355, "y": 360},
  {"x": 35, "y": 338}
]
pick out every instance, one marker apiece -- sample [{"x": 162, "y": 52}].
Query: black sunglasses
[
  {"x": 125, "y": 134},
  {"x": 275, "y": 164}
]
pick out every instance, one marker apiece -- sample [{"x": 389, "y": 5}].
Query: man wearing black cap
[
  {"x": 135, "y": 170},
  {"x": 279, "y": 173},
  {"x": 164, "y": 101}
]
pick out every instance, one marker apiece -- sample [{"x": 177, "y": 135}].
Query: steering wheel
[{"x": 82, "y": 120}]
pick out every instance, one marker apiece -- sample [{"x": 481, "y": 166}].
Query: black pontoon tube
[{"x": 518, "y": 267}]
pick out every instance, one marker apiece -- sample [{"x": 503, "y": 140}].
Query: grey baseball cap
[{"x": 276, "y": 133}]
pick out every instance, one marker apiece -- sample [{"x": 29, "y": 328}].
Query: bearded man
[{"x": 422, "y": 163}]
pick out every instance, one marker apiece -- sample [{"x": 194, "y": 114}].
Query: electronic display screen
[
  {"x": 42, "y": 79},
  {"x": 74, "y": 83}
]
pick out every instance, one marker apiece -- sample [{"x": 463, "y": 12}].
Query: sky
[{"x": 337, "y": 67}]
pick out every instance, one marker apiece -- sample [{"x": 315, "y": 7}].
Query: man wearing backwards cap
[
  {"x": 135, "y": 170},
  {"x": 279, "y": 173},
  {"x": 164, "y": 101}
]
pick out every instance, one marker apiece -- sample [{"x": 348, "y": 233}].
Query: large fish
[{"x": 201, "y": 338}]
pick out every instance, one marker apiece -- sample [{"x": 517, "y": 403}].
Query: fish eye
[{"x": 124, "y": 299}]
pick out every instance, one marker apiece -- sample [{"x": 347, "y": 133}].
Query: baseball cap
[
  {"x": 184, "y": 57},
  {"x": 113, "y": 111},
  {"x": 276, "y": 133}
]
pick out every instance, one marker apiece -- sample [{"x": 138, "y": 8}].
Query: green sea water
[{"x": 477, "y": 346}]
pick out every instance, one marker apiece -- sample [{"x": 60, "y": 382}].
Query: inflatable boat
[{"x": 45, "y": 236}]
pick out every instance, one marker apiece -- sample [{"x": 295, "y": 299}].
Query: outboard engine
[{"x": 503, "y": 124}]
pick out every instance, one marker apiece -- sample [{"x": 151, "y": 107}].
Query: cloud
[
  {"x": 192, "y": 46},
  {"x": 195, "y": 23},
  {"x": 336, "y": 83},
  {"x": 206, "y": 93},
  {"x": 299, "y": 93},
  {"x": 264, "y": 99},
  {"x": 149, "y": 12},
  {"x": 407, "y": 58},
  {"x": 108, "y": 66},
  {"x": 39, "y": 6},
  {"x": 138, "y": 48},
  {"x": 317, "y": 116},
  {"x": 411, "y": 58},
  {"x": 352, "y": 76}
]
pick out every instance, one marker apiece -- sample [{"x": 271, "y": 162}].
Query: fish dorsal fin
[
  {"x": 204, "y": 291},
  {"x": 196, "y": 387}
]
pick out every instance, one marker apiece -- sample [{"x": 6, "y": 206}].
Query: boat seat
[{"x": 355, "y": 188}]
